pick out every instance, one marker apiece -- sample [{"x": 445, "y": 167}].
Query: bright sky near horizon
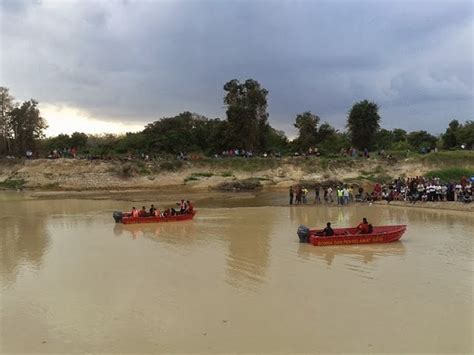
[{"x": 114, "y": 66}]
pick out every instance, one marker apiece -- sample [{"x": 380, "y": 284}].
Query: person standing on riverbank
[
  {"x": 292, "y": 193},
  {"x": 317, "y": 190}
]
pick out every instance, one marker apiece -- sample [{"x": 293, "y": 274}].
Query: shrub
[{"x": 12, "y": 184}]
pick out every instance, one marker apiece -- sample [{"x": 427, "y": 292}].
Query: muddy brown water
[{"x": 234, "y": 279}]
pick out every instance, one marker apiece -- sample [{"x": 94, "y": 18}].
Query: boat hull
[
  {"x": 345, "y": 236},
  {"x": 176, "y": 218}
]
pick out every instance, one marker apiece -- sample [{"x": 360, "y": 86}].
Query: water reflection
[
  {"x": 365, "y": 253},
  {"x": 23, "y": 242},
  {"x": 171, "y": 233}
]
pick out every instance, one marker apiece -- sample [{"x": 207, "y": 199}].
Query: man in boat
[
  {"x": 363, "y": 227},
  {"x": 182, "y": 207},
  {"x": 143, "y": 212},
  {"x": 134, "y": 212},
  {"x": 190, "y": 208},
  {"x": 152, "y": 210},
  {"x": 327, "y": 232}
]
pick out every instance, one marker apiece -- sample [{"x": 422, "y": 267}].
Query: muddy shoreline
[{"x": 267, "y": 196}]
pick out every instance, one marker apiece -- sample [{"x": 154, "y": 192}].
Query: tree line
[{"x": 245, "y": 127}]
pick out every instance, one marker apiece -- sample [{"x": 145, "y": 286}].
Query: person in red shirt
[{"x": 363, "y": 227}]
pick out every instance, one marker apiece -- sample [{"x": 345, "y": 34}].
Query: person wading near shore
[{"x": 292, "y": 193}]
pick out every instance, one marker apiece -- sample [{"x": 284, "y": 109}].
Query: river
[{"x": 234, "y": 279}]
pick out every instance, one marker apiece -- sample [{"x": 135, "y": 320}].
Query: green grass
[
  {"x": 451, "y": 158},
  {"x": 240, "y": 185},
  {"x": 197, "y": 176},
  {"x": 191, "y": 178},
  {"x": 227, "y": 174},
  {"x": 207, "y": 174},
  {"x": 12, "y": 184},
  {"x": 240, "y": 164},
  {"x": 450, "y": 174}
]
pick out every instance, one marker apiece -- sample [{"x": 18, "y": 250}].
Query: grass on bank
[
  {"x": 240, "y": 185},
  {"x": 450, "y": 174},
  {"x": 197, "y": 176},
  {"x": 12, "y": 184},
  {"x": 455, "y": 157}
]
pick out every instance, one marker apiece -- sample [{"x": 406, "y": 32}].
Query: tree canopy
[
  {"x": 363, "y": 124},
  {"x": 247, "y": 115},
  {"x": 246, "y": 127}
]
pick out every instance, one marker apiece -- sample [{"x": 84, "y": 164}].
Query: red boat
[
  {"x": 125, "y": 218},
  {"x": 344, "y": 236}
]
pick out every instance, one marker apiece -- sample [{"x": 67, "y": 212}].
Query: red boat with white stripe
[{"x": 344, "y": 236}]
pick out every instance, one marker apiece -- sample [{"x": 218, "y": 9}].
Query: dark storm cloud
[{"x": 138, "y": 61}]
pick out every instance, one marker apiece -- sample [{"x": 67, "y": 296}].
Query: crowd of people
[
  {"x": 424, "y": 189},
  {"x": 410, "y": 189},
  {"x": 184, "y": 207},
  {"x": 342, "y": 194}
]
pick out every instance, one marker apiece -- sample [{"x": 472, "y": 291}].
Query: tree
[
  {"x": 465, "y": 135},
  {"x": 451, "y": 135},
  {"x": 6, "y": 106},
  {"x": 421, "y": 139},
  {"x": 384, "y": 139},
  {"x": 78, "y": 140},
  {"x": 187, "y": 132},
  {"x": 307, "y": 125},
  {"x": 276, "y": 140},
  {"x": 27, "y": 126},
  {"x": 363, "y": 124},
  {"x": 399, "y": 135},
  {"x": 246, "y": 114}
]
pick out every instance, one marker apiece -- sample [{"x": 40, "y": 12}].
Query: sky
[{"x": 114, "y": 66}]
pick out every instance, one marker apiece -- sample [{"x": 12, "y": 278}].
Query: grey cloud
[{"x": 139, "y": 60}]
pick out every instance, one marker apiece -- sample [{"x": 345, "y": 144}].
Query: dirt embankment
[{"x": 84, "y": 175}]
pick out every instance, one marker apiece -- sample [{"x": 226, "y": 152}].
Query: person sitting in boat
[
  {"x": 152, "y": 210},
  {"x": 190, "y": 208},
  {"x": 143, "y": 212},
  {"x": 363, "y": 227},
  {"x": 134, "y": 212},
  {"x": 328, "y": 231},
  {"x": 182, "y": 206}
]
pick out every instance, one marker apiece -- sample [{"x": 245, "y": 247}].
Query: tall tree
[
  {"x": 451, "y": 135},
  {"x": 307, "y": 125},
  {"x": 363, "y": 123},
  {"x": 6, "y": 106},
  {"x": 27, "y": 126},
  {"x": 246, "y": 114}
]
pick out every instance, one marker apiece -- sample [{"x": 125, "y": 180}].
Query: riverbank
[{"x": 217, "y": 173}]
